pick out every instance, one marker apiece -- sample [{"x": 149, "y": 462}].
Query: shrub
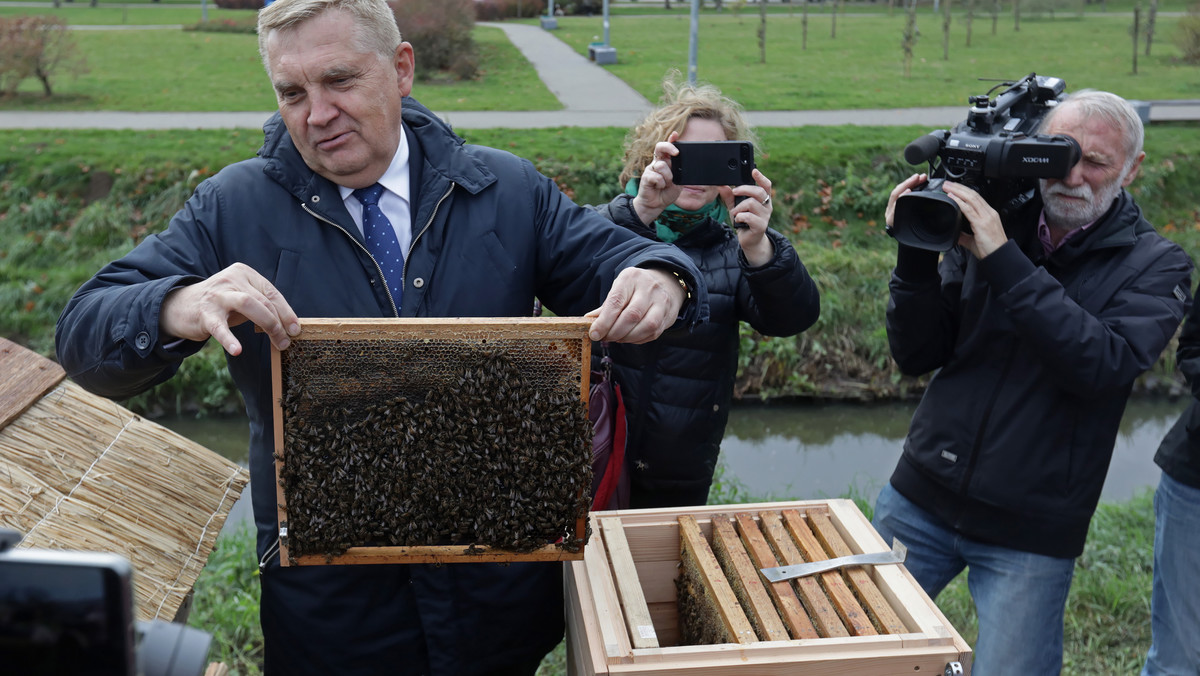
[
  {"x": 248, "y": 24},
  {"x": 440, "y": 33},
  {"x": 240, "y": 4},
  {"x": 36, "y": 46},
  {"x": 1187, "y": 35},
  {"x": 494, "y": 10}
]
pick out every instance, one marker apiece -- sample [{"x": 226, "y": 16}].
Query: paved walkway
[{"x": 591, "y": 97}]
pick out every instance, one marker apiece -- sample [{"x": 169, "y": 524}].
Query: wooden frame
[
  {"x": 914, "y": 636},
  {"x": 482, "y": 330}
]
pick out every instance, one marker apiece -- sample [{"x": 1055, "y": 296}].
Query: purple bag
[{"x": 606, "y": 410}]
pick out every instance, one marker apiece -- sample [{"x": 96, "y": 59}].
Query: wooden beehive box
[
  {"x": 470, "y": 426},
  {"x": 623, "y": 615}
]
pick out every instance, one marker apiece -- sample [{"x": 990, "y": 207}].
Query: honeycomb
[{"x": 406, "y": 440}]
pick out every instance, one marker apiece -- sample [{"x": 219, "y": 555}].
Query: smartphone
[{"x": 713, "y": 163}]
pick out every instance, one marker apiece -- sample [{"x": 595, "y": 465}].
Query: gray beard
[{"x": 1064, "y": 215}]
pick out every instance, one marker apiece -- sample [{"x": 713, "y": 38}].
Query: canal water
[{"x": 812, "y": 451}]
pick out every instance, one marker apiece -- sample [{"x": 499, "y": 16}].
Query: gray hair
[
  {"x": 1114, "y": 110},
  {"x": 376, "y": 29}
]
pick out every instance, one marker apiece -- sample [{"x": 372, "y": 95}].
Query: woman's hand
[
  {"x": 657, "y": 189},
  {"x": 750, "y": 217}
]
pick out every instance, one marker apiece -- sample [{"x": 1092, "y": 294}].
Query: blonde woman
[{"x": 678, "y": 389}]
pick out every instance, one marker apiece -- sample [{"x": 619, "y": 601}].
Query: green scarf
[{"x": 673, "y": 221}]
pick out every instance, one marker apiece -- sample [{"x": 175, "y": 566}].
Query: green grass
[
  {"x": 79, "y": 14},
  {"x": 863, "y": 66},
  {"x": 175, "y": 70}
]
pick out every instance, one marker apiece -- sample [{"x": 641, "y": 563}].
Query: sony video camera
[
  {"x": 72, "y": 613},
  {"x": 995, "y": 151}
]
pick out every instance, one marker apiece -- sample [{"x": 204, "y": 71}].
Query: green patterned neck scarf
[{"x": 673, "y": 221}]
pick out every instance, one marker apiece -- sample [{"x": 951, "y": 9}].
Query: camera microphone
[{"x": 925, "y": 148}]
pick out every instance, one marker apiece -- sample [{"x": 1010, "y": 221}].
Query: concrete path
[{"x": 591, "y": 97}]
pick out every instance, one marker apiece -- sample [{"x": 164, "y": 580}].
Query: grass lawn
[
  {"x": 79, "y": 14},
  {"x": 176, "y": 70},
  {"x": 863, "y": 66}
]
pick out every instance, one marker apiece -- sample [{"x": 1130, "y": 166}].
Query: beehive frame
[
  {"x": 562, "y": 339},
  {"x": 608, "y": 627}
]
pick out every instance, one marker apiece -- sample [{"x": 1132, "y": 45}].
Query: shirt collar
[
  {"x": 395, "y": 178},
  {"x": 1043, "y": 231}
]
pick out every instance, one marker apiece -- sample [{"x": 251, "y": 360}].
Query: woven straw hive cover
[{"x": 79, "y": 472}]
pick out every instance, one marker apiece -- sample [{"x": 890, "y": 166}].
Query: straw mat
[{"x": 80, "y": 472}]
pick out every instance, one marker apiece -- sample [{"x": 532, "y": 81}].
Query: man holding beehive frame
[
  {"x": 1038, "y": 326},
  {"x": 463, "y": 231}
]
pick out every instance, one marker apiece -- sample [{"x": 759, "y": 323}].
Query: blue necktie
[{"x": 381, "y": 240}]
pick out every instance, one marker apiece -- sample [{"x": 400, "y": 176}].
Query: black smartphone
[{"x": 713, "y": 163}]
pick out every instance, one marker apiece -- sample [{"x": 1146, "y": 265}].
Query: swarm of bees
[{"x": 483, "y": 455}]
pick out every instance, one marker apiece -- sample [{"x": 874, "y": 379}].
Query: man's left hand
[{"x": 640, "y": 306}]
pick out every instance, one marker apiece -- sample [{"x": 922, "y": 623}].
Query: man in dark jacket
[
  {"x": 1038, "y": 327},
  {"x": 1175, "y": 601},
  {"x": 469, "y": 232}
]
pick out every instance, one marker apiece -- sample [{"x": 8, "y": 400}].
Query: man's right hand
[{"x": 231, "y": 297}]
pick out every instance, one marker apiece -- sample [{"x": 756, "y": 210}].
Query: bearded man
[{"x": 1037, "y": 326}]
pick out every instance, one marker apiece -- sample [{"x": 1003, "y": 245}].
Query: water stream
[{"x": 811, "y": 451}]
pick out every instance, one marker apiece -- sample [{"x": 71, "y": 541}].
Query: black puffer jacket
[
  {"x": 1179, "y": 453},
  {"x": 1037, "y": 356},
  {"x": 678, "y": 388}
]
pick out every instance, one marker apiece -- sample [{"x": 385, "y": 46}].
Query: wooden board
[
  {"x": 28, "y": 376},
  {"x": 886, "y": 619},
  {"x": 824, "y": 615},
  {"x": 790, "y": 610},
  {"x": 629, "y": 588},
  {"x": 698, "y": 559},
  {"x": 856, "y": 619},
  {"x": 746, "y": 582}
]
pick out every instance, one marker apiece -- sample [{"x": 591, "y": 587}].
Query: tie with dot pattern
[{"x": 381, "y": 239}]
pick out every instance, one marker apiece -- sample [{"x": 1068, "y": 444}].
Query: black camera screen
[{"x": 60, "y": 620}]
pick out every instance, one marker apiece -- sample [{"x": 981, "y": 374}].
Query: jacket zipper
[{"x": 378, "y": 270}]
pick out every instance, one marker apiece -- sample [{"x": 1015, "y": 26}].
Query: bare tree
[
  {"x": 804, "y": 28},
  {"x": 970, "y": 17},
  {"x": 1151, "y": 16},
  {"x": 762, "y": 31},
  {"x": 1016, "y": 16},
  {"x": 910, "y": 36},
  {"x": 946, "y": 29},
  {"x": 1137, "y": 20}
]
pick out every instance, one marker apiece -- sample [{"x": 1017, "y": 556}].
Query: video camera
[
  {"x": 72, "y": 613},
  {"x": 995, "y": 151}
]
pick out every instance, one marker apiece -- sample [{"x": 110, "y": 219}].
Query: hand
[
  {"x": 656, "y": 188},
  {"x": 231, "y": 297},
  {"x": 750, "y": 218},
  {"x": 640, "y": 306},
  {"x": 987, "y": 232},
  {"x": 906, "y": 186}
]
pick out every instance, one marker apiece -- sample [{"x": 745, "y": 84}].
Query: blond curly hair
[{"x": 682, "y": 101}]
